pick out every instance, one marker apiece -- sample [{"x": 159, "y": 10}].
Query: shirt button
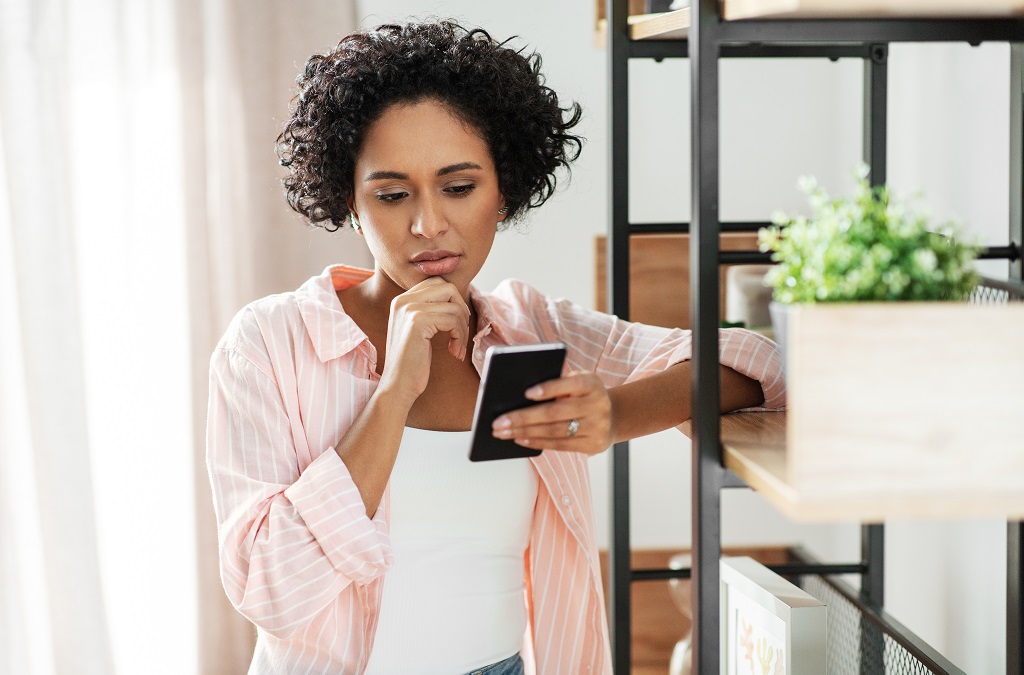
[{"x": 566, "y": 500}]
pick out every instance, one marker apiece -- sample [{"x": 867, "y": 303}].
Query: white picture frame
[{"x": 769, "y": 626}]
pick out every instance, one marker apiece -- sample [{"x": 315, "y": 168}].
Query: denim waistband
[{"x": 513, "y": 665}]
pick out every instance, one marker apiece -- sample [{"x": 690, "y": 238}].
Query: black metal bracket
[
  {"x": 787, "y": 31},
  {"x": 879, "y": 53},
  {"x": 680, "y": 49},
  {"x": 786, "y": 570},
  {"x": 684, "y": 228}
]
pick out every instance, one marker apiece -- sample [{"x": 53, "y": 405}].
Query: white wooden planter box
[{"x": 905, "y": 409}]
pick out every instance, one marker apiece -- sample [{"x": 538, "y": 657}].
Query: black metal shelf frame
[{"x": 710, "y": 39}]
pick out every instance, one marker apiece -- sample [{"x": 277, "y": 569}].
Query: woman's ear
[
  {"x": 353, "y": 217},
  {"x": 502, "y": 210}
]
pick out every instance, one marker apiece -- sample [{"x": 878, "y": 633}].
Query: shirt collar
[
  {"x": 489, "y": 315},
  {"x": 332, "y": 331}
]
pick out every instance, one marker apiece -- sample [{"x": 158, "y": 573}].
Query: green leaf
[{"x": 864, "y": 247}]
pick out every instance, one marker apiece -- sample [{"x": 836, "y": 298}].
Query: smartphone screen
[{"x": 508, "y": 372}]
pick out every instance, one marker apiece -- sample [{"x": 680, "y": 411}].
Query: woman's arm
[
  {"x": 630, "y": 379},
  {"x": 369, "y": 448},
  {"x": 280, "y": 530},
  {"x": 609, "y": 415},
  {"x": 662, "y": 401}
]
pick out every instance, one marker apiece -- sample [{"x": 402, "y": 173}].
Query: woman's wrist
[
  {"x": 389, "y": 396},
  {"x": 655, "y": 403}
]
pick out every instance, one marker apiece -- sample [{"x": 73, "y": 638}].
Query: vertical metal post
[
  {"x": 874, "y": 141},
  {"x": 1014, "y": 598},
  {"x": 619, "y": 565},
  {"x": 1017, "y": 155},
  {"x": 876, "y": 83},
  {"x": 872, "y": 537},
  {"x": 872, "y": 550},
  {"x": 708, "y": 474},
  {"x": 1015, "y": 529}
]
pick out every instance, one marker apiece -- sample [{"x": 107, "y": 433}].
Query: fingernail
[
  {"x": 502, "y": 433},
  {"x": 502, "y": 423},
  {"x": 534, "y": 392}
]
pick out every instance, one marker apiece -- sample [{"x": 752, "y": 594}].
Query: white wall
[
  {"x": 780, "y": 119},
  {"x": 949, "y": 138}
]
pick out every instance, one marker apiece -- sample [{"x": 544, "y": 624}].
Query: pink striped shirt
[{"x": 300, "y": 558}]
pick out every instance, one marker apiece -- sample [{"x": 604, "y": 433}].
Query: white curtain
[{"x": 139, "y": 209}]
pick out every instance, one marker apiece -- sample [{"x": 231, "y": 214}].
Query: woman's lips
[{"x": 436, "y": 263}]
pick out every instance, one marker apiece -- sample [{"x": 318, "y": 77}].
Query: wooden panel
[
  {"x": 635, "y": 7},
  {"x": 868, "y": 9},
  {"x": 658, "y": 622},
  {"x": 906, "y": 399},
  {"x": 665, "y": 26},
  {"x": 636, "y": 10},
  {"x": 896, "y": 410},
  {"x": 659, "y": 276},
  {"x": 675, "y": 25}
]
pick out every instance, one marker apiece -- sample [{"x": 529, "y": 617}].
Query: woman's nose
[{"x": 430, "y": 221}]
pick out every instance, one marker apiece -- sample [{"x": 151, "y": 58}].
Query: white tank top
[{"x": 454, "y": 600}]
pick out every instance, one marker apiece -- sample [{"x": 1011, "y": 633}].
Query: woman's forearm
[
  {"x": 370, "y": 446},
  {"x": 663, "y": 401}
]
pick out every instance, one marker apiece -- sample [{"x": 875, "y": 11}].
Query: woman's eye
[
  {"x": 460, "y": 189},
  {"x": 390, "y": 197}
]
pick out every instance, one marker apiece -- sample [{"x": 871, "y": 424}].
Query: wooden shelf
[
  {"x": 754, "y": 448},
  {"x": 666, "y": 26},
  {"x": 675, "y": 25},
  {"x": 871, "y": 9}
]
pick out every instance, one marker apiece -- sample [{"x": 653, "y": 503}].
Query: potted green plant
[
  {"x": 868, "y": 247},
  {"x": 897, "y": 405}
]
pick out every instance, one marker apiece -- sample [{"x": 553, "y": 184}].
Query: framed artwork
[{"x": 769, "y": 626}]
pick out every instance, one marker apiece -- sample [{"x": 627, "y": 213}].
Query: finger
[
  {"x": 424, "y": 311},
  {"x": 551, "y": 431},
  {"x": 443, "y": 296},
  {"x": 573, "y": 384},
  {"x": 431, "y": 318},
  {"x": 435, "y": 289},
  {"x": 561, "y": 410}
]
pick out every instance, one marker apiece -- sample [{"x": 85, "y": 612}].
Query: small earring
[
  {"x": 503, "y": 210},
  {"x": 355, "y": 222}
]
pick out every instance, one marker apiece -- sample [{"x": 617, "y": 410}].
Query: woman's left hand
[{"x": 579, "y": 419}]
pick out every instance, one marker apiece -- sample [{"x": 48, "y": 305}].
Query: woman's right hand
[{"x": 431, "y": 307}]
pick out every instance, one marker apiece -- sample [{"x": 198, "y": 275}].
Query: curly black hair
[{"x": 497, "y": 90}]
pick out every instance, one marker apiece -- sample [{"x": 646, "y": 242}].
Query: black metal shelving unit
[{"x": 878, "y": 640}]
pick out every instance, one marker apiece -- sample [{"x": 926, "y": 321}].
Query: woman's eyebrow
[
  {"x": 398, "y": 175},
  {"x": 461, "y": 166},
  {"x": 379, "y": 175}
]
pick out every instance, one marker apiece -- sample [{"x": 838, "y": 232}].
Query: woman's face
[{"x": 426, "y": 196}]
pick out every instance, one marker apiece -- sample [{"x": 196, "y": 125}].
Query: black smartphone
[{"x": 508, "y": 372}]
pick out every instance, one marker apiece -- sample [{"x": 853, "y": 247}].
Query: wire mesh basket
[
  {"x": 994, "y": 291},
  {"x": 857, "y": 645}
]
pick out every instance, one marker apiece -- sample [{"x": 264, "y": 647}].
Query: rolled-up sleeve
[
  {"x": 622, "y": 351},
  {"x": 290, "y": 541},
  {"x": 757, "y": 357}
]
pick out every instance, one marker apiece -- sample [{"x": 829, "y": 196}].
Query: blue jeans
[{"x": 513, "y": 665}]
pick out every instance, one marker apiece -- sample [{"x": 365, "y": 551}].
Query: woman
[{"x": 354, "y": 532}]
